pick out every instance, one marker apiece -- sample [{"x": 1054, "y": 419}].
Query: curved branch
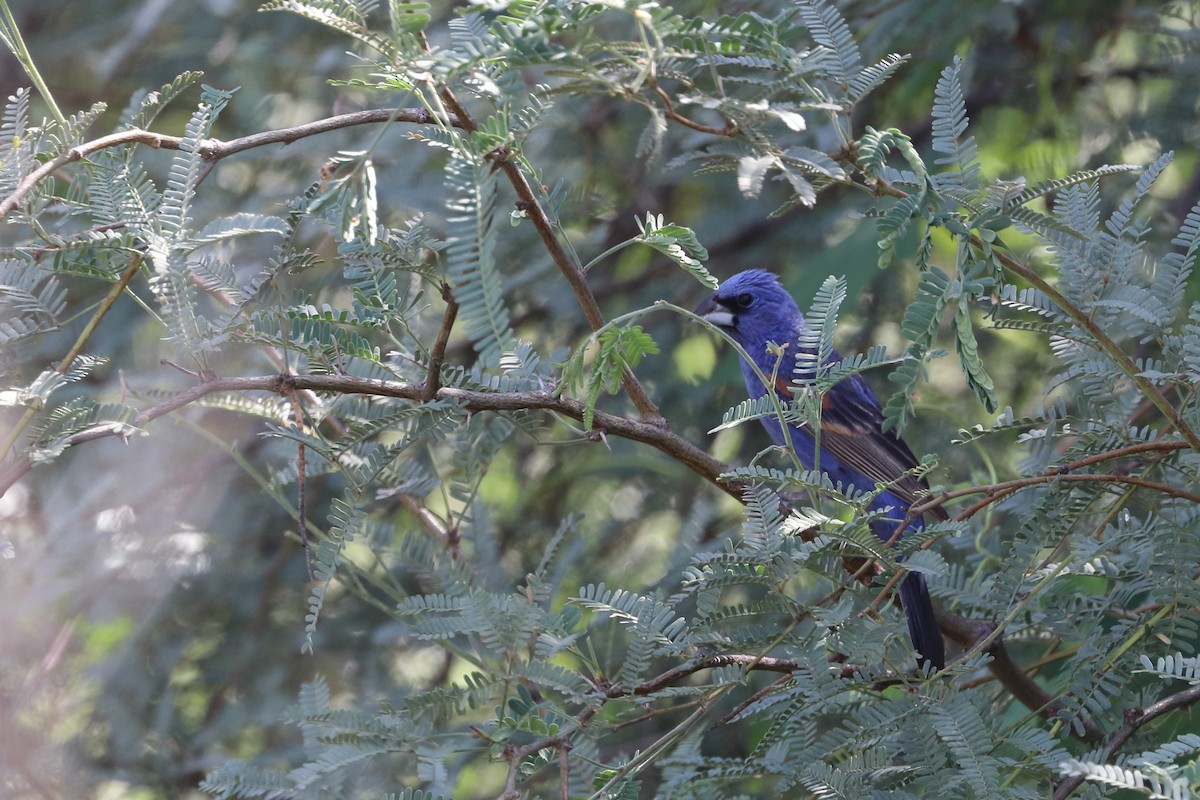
[
  {"x": 1134, "y": 719},
  {"x": 669, "y": 109},
  {"x": 651, "y": 433},
  {"x": 214, "y": 150},
  {"x": 998, "y": 491}
]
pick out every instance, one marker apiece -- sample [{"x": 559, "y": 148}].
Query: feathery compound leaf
[
  {"x": 816, "y": 341},
  {"x": 949, "y": 124},
  {"x": 1155, "y": 786},
  {"x": 1177, "y": 667},
  {"x": 145, "y": 106},
  {"x": 185, "y": 165},
  {"x": 16, "y": 154},
  {"x": 828, "y": 28},
  {"x": 239, "y": 225},
  {"x": 747, "y": 410},
  {"x": 1055, "y": 185},
  {"x": 1185, "y": 745},
  {"x": 619, "y": 348},
  {"x": 751, "y": 172},
  {"x": 347, "y": 519},
  {"x": 30, "y": 294},
  {"x": 911, "y": 371},
  {"x": 874, "y": 76},
  {"x": 924, "y": 314},
  {"x": 341, "y": 15},
  {"x": 1175, "y": 268},
  {"x": 968, "y": 355},
  {"x": 470, "y": 255},
  {"x": 678, "y": 244}
]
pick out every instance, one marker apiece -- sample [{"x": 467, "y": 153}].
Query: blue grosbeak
[{"x": 855, "y": 450}]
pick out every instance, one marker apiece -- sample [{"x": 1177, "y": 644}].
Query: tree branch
[
  {"x": 214, "y": 150},
  {"x": 437, "y": 356},
  {"x": 970, "y": 633},
  {"x": 998, "y": 491},
  {"x": 651, "y": 433},
  {"x": 1134, "y": 719},
  {"x": 528, "y": 202},
  {"x": 1105, "y": 342}
]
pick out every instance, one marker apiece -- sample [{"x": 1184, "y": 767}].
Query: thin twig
[
  {"x": 998, "y": 491},
  {"x": 437, "y": 356},
  {"x": 80, "y": 341},
  {"x": 1105, "y": 342},
  {"x": 301, "y": 498},
  {"x": 669, "y": 109},
  {"x": 749, "y": 701},
  {"x": 447, "y": 536}
]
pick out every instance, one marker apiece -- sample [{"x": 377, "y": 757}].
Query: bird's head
[{"x": 755, "y": 309}]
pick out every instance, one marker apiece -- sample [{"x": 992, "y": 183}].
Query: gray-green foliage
[{"x": 1089, "y": 567}]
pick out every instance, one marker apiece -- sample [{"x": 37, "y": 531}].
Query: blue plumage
[{"x": 855, "y": 450}]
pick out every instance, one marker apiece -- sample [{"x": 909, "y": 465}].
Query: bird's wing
[{"x": 852, "y": 431}]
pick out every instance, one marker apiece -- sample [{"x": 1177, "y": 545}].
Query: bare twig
[
  {"x": 669, "y": 109},
  {"x": 301, "y": 481},
  {"x": 447, "y": 536},
  {"x": 751, "y": 700},
  {"x": 998, "y": 491}
]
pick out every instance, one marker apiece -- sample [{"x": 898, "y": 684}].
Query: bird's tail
[{"x": 922, "y": 626}]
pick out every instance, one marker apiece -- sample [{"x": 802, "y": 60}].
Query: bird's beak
[{"x": 712, "y": 311}]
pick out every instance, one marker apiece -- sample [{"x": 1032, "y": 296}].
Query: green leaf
[
  {"x": 968, "y": 354},
  {"x": 679, "y": 244}
]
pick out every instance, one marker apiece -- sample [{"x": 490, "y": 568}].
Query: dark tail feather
[{"x": 922, "y": 627}]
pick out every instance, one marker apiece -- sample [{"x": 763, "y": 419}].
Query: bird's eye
[{"x": 744, "y": 300}]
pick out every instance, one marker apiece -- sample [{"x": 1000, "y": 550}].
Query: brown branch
[
  {"x": 447, "y": 536},
  {"x": 971, "y": 633},
  {"x": 1105, "y": 342},
  {"x": 564, "y": 771},
  {"x": 751, "y": 700},
  {"x": 528, "y": 202},
  {"x": 1134, "y": 718},
  {"x": 213, "y": 150},
  {"x": 669, "y": 108},
  {"x": 665, "y": 679},
  {"x": 651, "y": 433},
  {"x": 560, "y": 742},
  {"x": 998, "y": 491},
  {"x": 437, "y": 356}
]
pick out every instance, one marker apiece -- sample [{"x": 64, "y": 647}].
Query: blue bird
[{"x": 755, "y": 309}]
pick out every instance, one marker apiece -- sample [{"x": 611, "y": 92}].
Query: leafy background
[{"x": 156, "y": 608}]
